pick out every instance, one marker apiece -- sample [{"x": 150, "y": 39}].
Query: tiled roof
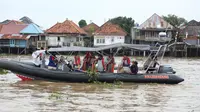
[
  {"x": 67, "y": 27},
  {"x": 110, "y": 29},
  {"x": 13, "y": 27},
  {"x": 155, "y": 22},
  {"x": 14, "y": 36},
  {"x": 92, "y": 27}
]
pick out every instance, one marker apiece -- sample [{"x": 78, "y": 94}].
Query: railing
[
  {"x": 4, "y": 43},
  {"x": 153, "y": 38},
  {"x": 140, "y": 38}
]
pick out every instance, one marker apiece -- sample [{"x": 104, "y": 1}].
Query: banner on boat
[{"x": 156, "y": 77}]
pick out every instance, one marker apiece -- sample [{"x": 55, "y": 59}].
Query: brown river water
[{"x": 42, "y": 96}]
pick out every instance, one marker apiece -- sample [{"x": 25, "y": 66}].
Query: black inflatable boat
[{"x": 27, "y": 71}]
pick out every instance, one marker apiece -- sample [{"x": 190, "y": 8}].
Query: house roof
[
  {"x": 193, "y": 23},
  {"x": 155, "y": 22},
  {"x": 14, "y": 36},
  {"x": 1, "y": 27},
  {"x": 110, "y": 29},
  {"x": 191, "y": 31},
  {"x": 67, "y": 27},
  {"x": 26, "y": 20},
  {"x": 92, "y": 27},
  {"x": 13, "y": 27},
  {"x": 5, "y": 21},
  {"x": 31, "y": 29}
]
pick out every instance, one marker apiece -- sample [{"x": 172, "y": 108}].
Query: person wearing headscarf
[
  {"x": 77, "y": 61},
  {"x": 110, "y": 63},
  {"x": 86, "y": 61},
  {"x": 52, "y": 62}
]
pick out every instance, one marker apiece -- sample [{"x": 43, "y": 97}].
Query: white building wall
[
  {"x": 64, "y": 41},
  {"x": 107, "y": 40}
]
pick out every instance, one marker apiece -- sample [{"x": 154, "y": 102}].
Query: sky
[{"x": 46, "y": 13}]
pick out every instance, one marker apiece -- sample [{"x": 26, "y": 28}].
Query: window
[
  {"x": 68, "y": 44},
  {"x": 81, "y": 39},
  {"x": 161, "y": 24},
  {"x": 112, "y": 39},
  {"x": 101, "y": 41},
  {"x": 77, "y": 39},
  {"x": 58, "y": 39}
]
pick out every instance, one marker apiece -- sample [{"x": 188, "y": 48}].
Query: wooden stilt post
[
  {"x": 185, "y": 51},
  {"x": 144, "y": 53},
  {"x": 18, "y": 51},
  {"x": 9, "y": 50},
  {"x": 25, "y": 51}
]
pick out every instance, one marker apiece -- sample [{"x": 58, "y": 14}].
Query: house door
[{"x": 12, "y": 43}]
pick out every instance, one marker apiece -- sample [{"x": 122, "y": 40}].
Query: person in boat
[
  {"x": 61, "y": 63},
  {"x": 100, "y": 63},
  {"x": 42, "y": 56},
  {"x": 93, "y": 60},
  {"x": 124, "y": 67},
  {"x": 39, "y": 57},
  {"x": 86, "y": 61},
  {"x": 134, "y": 67},
  {"x": 52, "y": 62},
  {"x": 111, "y": 63},
  {"x": 126, "y": 64},
  {"x": 77, "y": 61}
]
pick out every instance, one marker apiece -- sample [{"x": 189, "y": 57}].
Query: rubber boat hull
[{"x": 30, "y": 72}]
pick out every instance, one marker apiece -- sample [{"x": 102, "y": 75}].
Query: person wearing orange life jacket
[
  {"x": 86, "y": 61},
  {"x": 126, "y": 64},
  {"x": 126, "y": 61},
  {"x": 77, "y": 61},
  {"x": 111, "y": 63}
]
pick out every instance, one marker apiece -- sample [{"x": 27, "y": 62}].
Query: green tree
[
  {"x": 124, "y": 22},
  {"x": 82, "y": 23},
  {"x": 175, "y": 20}
]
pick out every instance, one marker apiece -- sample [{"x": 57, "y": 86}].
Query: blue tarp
[{"x": 31, "y": 29}]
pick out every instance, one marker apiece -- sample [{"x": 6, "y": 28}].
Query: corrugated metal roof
[
  {"x": 31, "y": 29},
  {"x": 13, "y": 27},
  {"x": 10, "y": 36},
  {"x": 141, "y": 47}
]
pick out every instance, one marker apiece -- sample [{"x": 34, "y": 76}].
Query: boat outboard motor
[{"x": 166, "y": 69}]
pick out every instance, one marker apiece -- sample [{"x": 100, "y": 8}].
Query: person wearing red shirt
[{"x": 77, "y": 61}]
